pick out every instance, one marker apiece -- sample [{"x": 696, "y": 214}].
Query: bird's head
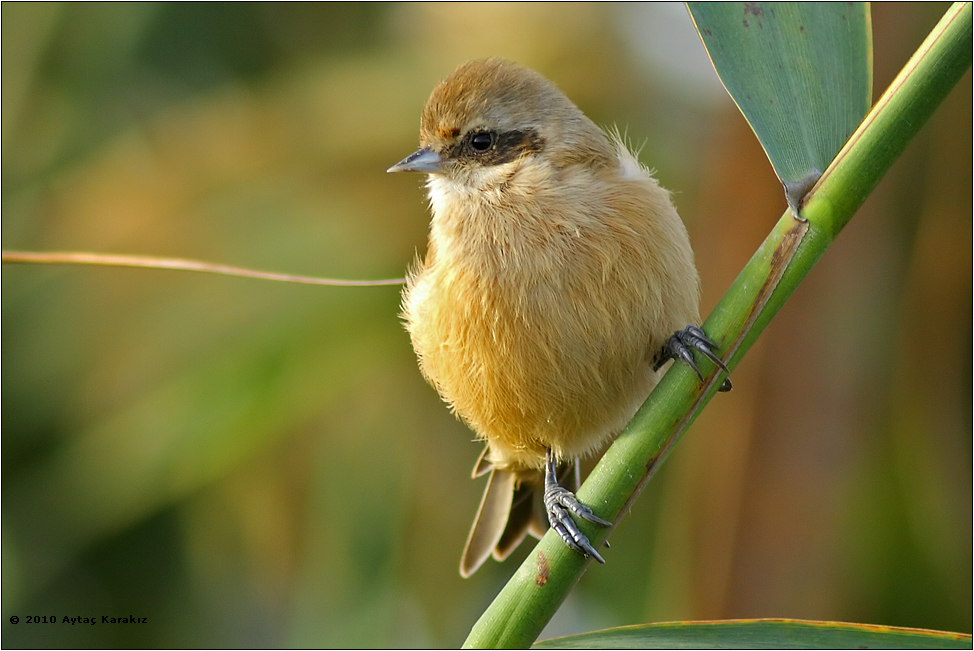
[{"x": 490, "y": 116}]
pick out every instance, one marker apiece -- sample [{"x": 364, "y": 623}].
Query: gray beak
[{"x": 424, "y": 160}]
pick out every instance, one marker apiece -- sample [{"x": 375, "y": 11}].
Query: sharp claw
[
  {"x": 590, "y": 551},
  {"x": 591, "y": 517},
  {"x": 679, "y": 347},
  {"x": 701, "y": 335},
  {"x": 585, "y": 512},
  {"x": 560, "y": 503},
  {"x": 711, "y": 356},
  {"x": 699, "y": 340},
  {"x": 688, "y": 360},
  {"x": 574, "y": 538}
]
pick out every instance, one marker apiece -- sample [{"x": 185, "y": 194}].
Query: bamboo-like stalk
[{"x": 529, "y": 600}]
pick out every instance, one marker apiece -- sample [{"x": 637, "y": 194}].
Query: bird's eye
[{"x": 482, "y": 141}]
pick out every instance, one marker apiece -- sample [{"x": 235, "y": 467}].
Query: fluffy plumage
[{"x": 556, "y": 271}]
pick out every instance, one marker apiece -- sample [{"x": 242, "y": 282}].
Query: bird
[{"x": 557, "y": 284}]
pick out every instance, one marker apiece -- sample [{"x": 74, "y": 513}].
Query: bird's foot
[
  {"x": 560, "y": 502},
  {"x": 680, "y": 345}
]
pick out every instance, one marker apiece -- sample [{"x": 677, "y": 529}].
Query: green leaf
[
  {"x": 760, "y": 634},
  {"x": 801, "y": 73}
]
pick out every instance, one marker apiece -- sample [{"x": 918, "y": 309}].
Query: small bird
[{"x": 558, "y": 280}]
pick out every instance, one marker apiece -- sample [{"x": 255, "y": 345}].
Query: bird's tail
[{"x": 510, "y": 509}]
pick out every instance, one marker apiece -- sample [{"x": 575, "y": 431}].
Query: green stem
[{"x": 529, "y": 600}]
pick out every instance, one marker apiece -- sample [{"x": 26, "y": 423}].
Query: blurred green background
[{"x": 249, "y": 463}]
